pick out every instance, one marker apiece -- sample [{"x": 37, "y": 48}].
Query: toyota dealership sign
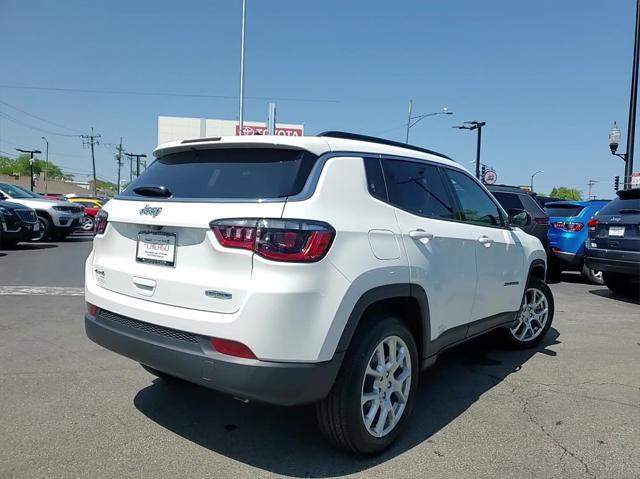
[{"x": 261, "y": 129}]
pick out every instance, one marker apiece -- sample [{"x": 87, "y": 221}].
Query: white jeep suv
[{"x": 327, "y": 270}]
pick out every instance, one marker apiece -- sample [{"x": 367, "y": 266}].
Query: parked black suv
[
  {"x": 513, "y": 197},
  {"x": 613, "y": 246},
  {"x": 17, "y": 223}
]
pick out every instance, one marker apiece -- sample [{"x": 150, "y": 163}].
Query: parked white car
[
  {"x": 325, "y": 270},
  {"x": 56, "y": 219}
]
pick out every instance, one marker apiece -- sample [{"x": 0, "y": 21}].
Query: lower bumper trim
[{"x": 285, "y": 384}]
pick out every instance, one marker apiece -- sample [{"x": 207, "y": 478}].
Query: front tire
[
  {"x": 44, "y": 230},
  {"x": 534, "y": 318},
  {"x": 591, "y": 275},
  {"x": 374, "y": 392}
]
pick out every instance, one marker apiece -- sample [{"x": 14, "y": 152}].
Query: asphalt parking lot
[{"x": 571, "y": 408}]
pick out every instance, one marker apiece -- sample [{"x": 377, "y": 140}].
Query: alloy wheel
[
  {"x": 386, "y": 386},
  {"x": 532, "y": 317}
]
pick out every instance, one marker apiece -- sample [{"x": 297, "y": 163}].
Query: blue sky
[{"x": 549, "y": 77}]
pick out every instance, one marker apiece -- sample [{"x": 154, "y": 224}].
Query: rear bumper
[
  {"x": 626, "y": 262},
  {"x": 569, "y": 260},
  {"x": 190, "y": 357}
]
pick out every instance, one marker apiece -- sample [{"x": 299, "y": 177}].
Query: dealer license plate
[
  {"x": 616, "y": 230},
  {"x": 156, "y": 248}
]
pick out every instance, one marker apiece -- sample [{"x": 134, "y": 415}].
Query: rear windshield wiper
[
  {"x": 152, "y": 190},
  {"x": 629, "y": 211}
]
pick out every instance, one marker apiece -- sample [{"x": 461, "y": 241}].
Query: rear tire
[
  {"x": 591, "y": 275},
  {"x": 622, "y": 283},
  {"x": 534, "y": 318},
  {"x": 368, "y": 388}
]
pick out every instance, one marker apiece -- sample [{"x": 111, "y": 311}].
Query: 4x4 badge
[{"x": 151, "y": 211}]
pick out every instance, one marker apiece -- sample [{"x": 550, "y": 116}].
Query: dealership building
[{"x": 171, "y": 128}]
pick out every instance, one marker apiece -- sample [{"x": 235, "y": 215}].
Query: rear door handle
[
  {"x": 420, "y": 234},
  {"x": 485, "y": 240}
]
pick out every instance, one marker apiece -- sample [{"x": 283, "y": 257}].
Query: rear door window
[
  {"x": 238, "y": 173},
  {"x": 417, "y": 188}
]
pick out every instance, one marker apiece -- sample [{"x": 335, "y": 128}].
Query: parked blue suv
[{"x": 568, "y": 232}]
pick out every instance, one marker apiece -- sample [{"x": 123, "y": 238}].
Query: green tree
[
  {"x": 566, "y": 193},
  {"x": 21, "y": 166}
]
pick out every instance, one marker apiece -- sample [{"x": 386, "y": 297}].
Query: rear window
[
  {"x": 508, "y": 200},
  {"x": 563, "y": 210},
  {"x": 621, "y": 207},
  {"x": 239, "y": 173}
]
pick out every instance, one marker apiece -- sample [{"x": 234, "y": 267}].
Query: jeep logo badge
[{"x": 152, "y": 211}]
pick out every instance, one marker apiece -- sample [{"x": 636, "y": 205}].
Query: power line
[
  {"x": 178, "y": 94},
  {"x": 39, "y": 118},
  {"x": 6, "y": 116}
]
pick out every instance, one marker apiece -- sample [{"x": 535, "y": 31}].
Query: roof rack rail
[{"x": 373, "y": 139}]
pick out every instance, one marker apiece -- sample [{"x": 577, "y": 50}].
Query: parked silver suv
[{"x": 57, "y": 219}]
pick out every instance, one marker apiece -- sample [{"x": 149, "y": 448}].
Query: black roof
[
  {"x": 509, "y": 189},
  {"x": 382, "y": 141}
]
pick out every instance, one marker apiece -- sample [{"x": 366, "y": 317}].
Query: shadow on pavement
[
  {"x": 31, "y": 246},
  {"x": 287, "y": 440},
  {"x": 607, "y": 293}
]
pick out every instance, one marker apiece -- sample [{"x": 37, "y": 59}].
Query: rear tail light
[
  {"x": 101, "y": 222},
  {"x": 232, "y": 348},
  {"x": 275, "y": 239},
  {"x": 541, "y": 220},
  {"x": 568, "y": 225},
  {"x": 592, "y": 223}
]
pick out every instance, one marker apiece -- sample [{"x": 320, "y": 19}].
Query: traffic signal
[{"x": 616, "y": 183}]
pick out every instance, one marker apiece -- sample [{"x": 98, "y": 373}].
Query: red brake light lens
[
  {"x": 100, "y": 224},
  {"x": 592, "y": 224},
  {"x": 541, "y": 220},
  {"x": 276, "y": 239},
  {"x": 92, "y": 309},
  {"x": 232, "y": 348},
  {"x": 568, "y": 225}
]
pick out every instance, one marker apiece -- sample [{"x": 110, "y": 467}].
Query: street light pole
[
  {"x": 532, "y": 177},
  {"x": 30, "y": 152},
  {"x": 475, "y": 125},
  {"x": 46, "y": 168},
  {"x": 244, "y": 20},
  {"x": 412, "y": 120}
]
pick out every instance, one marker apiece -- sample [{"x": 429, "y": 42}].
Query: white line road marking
[{"x": 40, "y": 291}]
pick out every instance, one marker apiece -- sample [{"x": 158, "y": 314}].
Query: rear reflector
[
  {"x": 568, "y": 225},
  {"x": 541, "y": 220},
  {"x": 279, "y": 240},
  {"x": 92, "y": 309},
  {"x": 232, "y": 348},
  {"x": 100, "y": 223}
]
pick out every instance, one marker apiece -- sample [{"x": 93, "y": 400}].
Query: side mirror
[{"x": 519, "y": 218}]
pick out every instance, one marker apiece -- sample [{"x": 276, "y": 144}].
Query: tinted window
[
  {"x": 375, "y": 179},
  {"x": 508, "y": 200},
  {"x": 621, "y": 207},
  {"x": 239, "y": 173},
  {"x": 563, "y": 209},
  {"x": 417, "y": 188},
  {"x": 15, "y": 191},
  {"x": 477, "y": 206}
]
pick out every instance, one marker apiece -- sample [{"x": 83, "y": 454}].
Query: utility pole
[
  {"x": 137, "y": 156},
  {"x": 475, "y": 125},
  {"x": 633, "y": 101},
  {"x": 119, "y": 160},
  {"x": 46, "y": 168},
  {"x": 591, "y": 184},
  {"x": 30, "y": 152},
  {"x": 409, "y": 120},
  {"x": 92, "y": 140},
  {"x": 244, "y": 20}
]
